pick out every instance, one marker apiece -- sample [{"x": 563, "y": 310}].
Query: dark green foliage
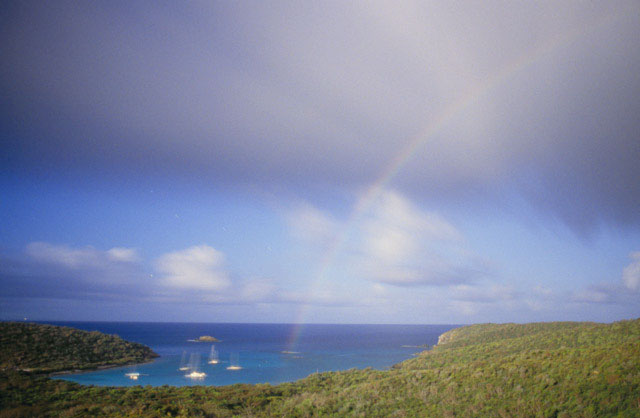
[
  {"x": 40, "y": 348},
  {"x": 537, "y": 370}
]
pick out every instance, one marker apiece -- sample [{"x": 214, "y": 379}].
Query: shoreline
[{"x": 93, "y": 369}]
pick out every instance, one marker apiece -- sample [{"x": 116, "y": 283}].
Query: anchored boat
[{"x": 213, "y": 356}]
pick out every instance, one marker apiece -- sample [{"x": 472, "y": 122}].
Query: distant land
[
  {"x": 557, "y": 369},
  {"x": 38, "y": 348}
]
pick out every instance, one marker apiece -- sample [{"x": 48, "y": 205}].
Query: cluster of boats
[{"x": 193, "y": 365}]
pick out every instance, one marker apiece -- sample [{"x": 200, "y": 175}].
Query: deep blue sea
[{"x": 266, "y": 353}]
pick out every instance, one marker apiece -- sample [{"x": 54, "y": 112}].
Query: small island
[{"x": 205, "y": 339}]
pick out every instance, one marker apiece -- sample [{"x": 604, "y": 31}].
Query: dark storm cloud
[{"x": 328, "y": 93}]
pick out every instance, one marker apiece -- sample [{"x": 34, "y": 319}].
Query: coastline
[
  {"x": 92, "y": 369},
  {"x": 442, "y": 338},
  {"x": 393, "y": 352},
  {"x": 553, "y": 375}
]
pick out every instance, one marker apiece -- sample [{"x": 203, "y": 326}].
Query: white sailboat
[
  {"x": 133, "y": 374},
  {"x": 234, "y": 363},
  {"x": 194, "y": 365},
  {"x": 196, "y": 375},
  {"x": 213, "y": 356},
  {"x": 183, "y": 362}
]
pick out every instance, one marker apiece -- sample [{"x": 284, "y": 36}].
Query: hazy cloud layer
[
  {"x": 76, "y": 275},
  {"x": 485, "y": 294},
  {"x": 48, "y": 270},
  {"x": 78, "y": 258},
  {"x": 196, "y": 274},
  {"x": 291, "y": 93}
]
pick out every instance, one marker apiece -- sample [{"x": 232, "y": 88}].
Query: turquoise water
[{"x": 267, "y": 353}]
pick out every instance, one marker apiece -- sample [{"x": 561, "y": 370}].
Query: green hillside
[
  {"x": 537, "y": 370},
  {"x": 46, "y": 348}
]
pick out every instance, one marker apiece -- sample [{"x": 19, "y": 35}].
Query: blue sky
[{"x": 361, "y": 162}]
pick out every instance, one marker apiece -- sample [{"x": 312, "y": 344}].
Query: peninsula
[{"x": 41, "y": 349}]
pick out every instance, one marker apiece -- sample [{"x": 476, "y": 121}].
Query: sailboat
[
  {"x": 235, "y": 365},
  {"x": 196, "y": 375},
  {"x": 133, "y": 374},
  {"x": 183, "y": 362},
  {"x": 194, "y": 365},
  {"x": 213, "y": 356}
]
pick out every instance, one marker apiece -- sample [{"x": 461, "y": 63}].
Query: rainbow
[{"x": 440, "y": 120}]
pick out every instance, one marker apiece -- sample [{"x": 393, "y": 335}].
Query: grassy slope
[
  {"x": 47, "y": 348},
  {"x": 554, "y": 369}
]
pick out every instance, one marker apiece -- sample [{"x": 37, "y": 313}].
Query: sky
[{"x": 320, "y": 162}]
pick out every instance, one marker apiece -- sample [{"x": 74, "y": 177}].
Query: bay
[{"x": 266, "y": 353}]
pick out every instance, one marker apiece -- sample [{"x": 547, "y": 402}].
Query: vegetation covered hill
[
  {"x": 46, "y": 348},
  {"x": 541, "y": 370}
]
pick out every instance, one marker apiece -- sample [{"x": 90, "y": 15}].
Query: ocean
[{"x": 265, "y": 353}]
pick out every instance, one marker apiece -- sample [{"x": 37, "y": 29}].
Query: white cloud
[
  {"x": 123, "y": 254},
  {"x": 396, "y": 211},
  {"x": 392, "y": 241},
  {"x": 388, "y": 244},
  {"x": 198, "y": 267},
  {"x": 395, "y": 229},
  {"x": 402, "y": 245},
  {"x": 79, "y": 258},
  {"x": 392, "y": 231},
  {"x": 631, "y": 273}
]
